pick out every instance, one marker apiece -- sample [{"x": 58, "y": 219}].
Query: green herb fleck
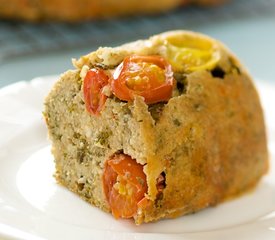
[
  {"x": 176, "y": 122},
  {"x": 102, "y": 138}
]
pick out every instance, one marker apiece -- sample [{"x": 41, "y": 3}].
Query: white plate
[{"x": 33, "y": 206}]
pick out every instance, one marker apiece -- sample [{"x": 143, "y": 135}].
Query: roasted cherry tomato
[
  {"x": 148, "y": 76},
  {"x": 94, "y": 82},
  {"x": 124, "y": 185},
  {"x": 189, "y": 54}
]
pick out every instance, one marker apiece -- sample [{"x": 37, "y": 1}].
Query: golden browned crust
[
  {"x": 209, "y": 140},
  {"x": 73, "y": 10},
  {"x": 215, "y": 151}
]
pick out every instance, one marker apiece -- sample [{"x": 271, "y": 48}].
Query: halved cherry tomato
[
  {"x": 94, "y": 82},
  {"x": 148, "y": 76},
  {"x": 124, "y": 185},
  {"x": 190, "y": 54}
]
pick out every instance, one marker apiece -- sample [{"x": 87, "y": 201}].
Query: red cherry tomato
[
  {"x": 148, "y": 76},
  {"x": 94, "y": 82},
  {"x": 124, "y": 185}
]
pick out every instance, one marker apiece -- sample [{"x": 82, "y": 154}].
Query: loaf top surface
[{"x": 155, "y": 45}]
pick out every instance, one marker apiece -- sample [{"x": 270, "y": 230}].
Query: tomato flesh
[
  {"x": 124, "y": 185},
  {"x": 188, "y": 54},
  {"x": 148, "y": 76},
  {"x": 94, "y": 82}
]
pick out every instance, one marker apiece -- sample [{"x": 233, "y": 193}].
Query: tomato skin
[
  {"x": 123, "y": 172},
  {"x": 94, "y": 82},
  {"x": 109, "y": 179},
  {"x": 153, "y": 90}
]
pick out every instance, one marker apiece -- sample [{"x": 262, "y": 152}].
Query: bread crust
[
  {"x": 81, "y": 10},
  {"x": 208, "y": 141}
]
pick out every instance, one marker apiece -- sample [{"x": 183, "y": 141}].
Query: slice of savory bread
[{"x": 157, "y": 128}]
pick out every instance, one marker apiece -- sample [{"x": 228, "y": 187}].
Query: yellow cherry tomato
[{"x": 191, "y": 54}]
